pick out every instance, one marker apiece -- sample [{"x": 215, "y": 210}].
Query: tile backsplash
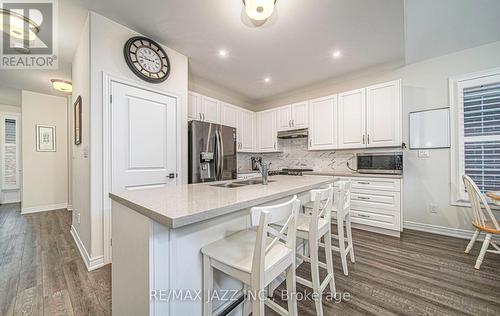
[{"x": 296, "y": 155}]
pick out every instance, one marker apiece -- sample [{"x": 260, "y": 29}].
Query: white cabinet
[
  {"x": 383, "y": 114},
  {"x": 352, "y": 119},
  {"x": 267, "y": 134},
  {"x": 323, "y": 123},
  {"x": 246, "y": 131},
  {"x": 203, "y": 108},
  {"x": 229, "y": 115},
  {"x": 293, "y": 116}
]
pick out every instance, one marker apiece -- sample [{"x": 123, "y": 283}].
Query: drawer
[
  {"x": 376, "y": 200},
  {"x": 376, "y": 184},
  {"x": 386, "y": 219}
]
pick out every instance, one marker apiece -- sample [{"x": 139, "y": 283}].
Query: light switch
[{"x": 423, "y": 154}]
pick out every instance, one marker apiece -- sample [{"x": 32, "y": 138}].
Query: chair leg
[
  {"x": 343, "y": 255},
  {"x": 472, "y": 241},
  {"x": 208, "y": 282},
  {"x": 291, "y": 289},
  {"x": 329, "y": 261},
  {"x": 485, "y": 246},
  {"x": 313, "y": 248},
  {"x": 349, "y": 236}
]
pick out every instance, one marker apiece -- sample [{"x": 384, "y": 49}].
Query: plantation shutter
[
  {"x": 481, "y": 135},
  {"x": 10, "y": 153}
]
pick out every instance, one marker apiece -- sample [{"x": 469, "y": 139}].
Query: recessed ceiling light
[
  {"x": 222, "y": 53},
  {"x": 337, "y": 54},
  {"x": 62, "y": 85},
  {"x": 267, "y": 79}
]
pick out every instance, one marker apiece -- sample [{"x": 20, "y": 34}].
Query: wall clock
[{"x": 146, "y": 59}]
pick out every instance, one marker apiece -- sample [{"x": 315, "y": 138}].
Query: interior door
[
  {"x": 352, "y": 119},
  {"x": 143, "y": 138},
  {"x": 383, "y": 114}
]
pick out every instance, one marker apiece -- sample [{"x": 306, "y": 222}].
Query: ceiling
[{"x": 294, "y": 47}]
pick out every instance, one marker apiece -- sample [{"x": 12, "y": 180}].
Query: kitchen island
[{"x": 158, "y": 233}]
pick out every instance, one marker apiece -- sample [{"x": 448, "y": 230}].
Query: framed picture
[
  {"x": 45, "y": 138},
  {"x": 78, "y": 120}
]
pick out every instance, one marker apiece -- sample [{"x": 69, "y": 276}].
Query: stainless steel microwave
[{"x": 387, "y": 162}]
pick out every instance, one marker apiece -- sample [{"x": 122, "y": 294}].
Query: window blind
[
  {"x": 481, "y": 127},
  {"x": 10, "y": 178}
]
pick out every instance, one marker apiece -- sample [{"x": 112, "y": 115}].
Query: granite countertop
[
  {"x": 186, "y": 204},
  {"x": 354, "y": 174}
]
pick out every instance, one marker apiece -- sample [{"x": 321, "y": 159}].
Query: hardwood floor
[{"x": 41, "y": 273}]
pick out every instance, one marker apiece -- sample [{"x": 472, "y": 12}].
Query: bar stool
[
  {"x": 312, "y": 228},
  {"x": 256, "y": 259},
  {"x": 341, "y": 213}
]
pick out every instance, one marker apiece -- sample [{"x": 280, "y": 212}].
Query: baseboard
[
  {"x": 43, "y": 208},
  {"x": 442, "y": 230},
  {"x": 91, "y": 263},
  {"x": 13, "y": 201}
]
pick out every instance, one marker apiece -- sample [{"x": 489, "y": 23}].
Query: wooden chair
[
  {"x": 312, "y": 228},
  {"x": 481, "y": 220},
  {"x": 256, "y": 258},
  {"x": 342, "y": 212}
]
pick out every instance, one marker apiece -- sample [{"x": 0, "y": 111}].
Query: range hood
[{"x": 296, "y": 133}]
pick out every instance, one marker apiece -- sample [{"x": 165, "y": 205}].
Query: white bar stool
[
  {"x": 312, "y": 228},
  {"x": 341, "y": 214},
  {"x": 256, "y": 259}
]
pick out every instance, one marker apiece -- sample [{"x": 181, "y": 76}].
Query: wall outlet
[
  {"x": 423, "y": 154},
  {"x": 433, "y": 208}
]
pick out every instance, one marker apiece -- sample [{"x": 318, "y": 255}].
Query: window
[
  {"x": 476, "y": 146},
  {"x": 9, "y": 153}
]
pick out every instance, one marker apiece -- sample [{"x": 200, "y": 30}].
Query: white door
[
  {"x": 323, "y": 123},
  {"x": 143, "y": 138},
  {"x": 284, "y": 117},
  {"x": 266, "y": 128},
  {"x": 383, "y": 115},
  {"x": 229, "y": 115},
  {"x": 210, "y": 110},
  {"x": 194, "y": 106},
  {"x": 352, "y": 119},
  {"x": 246, "y": 131},
  {"x": 300, "y": 115}
]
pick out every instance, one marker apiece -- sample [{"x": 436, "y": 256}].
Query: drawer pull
[
  {"x": 364, "y": 216},
  {"x": 363, "y": 182},
  {"x": 363, "y": 198}
]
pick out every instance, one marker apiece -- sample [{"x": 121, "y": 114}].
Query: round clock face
[{"x": 147, "y": 59}]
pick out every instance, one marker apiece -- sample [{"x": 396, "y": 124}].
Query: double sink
[{"x": 239, "y": 184}]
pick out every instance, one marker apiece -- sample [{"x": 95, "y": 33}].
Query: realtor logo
[{"x": 29, "y": 34}]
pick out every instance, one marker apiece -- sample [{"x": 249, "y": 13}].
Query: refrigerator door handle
[
  {"x": 221, "y": 155},
  {"x": 217, "y": 155}
]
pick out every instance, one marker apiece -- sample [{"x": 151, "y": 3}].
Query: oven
[{"x": 385, "y": 163}]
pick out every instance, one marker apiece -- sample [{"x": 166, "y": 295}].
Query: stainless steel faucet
[{"x": 264, "y": 171}]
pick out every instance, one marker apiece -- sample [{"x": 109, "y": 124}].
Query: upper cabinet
[
  {"x": 323, "y": 119},
  {"x": 267, "y": 133},
  {"x": 383, "y": 115},
  {"x": 352, "y": 118},
  {"x": 203, "y": 108},
  {"x": 292, "y": 116},
  {"x": 246, "y": 131},
  {"x": 229, "y": 115}
]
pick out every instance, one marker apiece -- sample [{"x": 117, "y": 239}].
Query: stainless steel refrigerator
[{"x": 212, "y": 152}]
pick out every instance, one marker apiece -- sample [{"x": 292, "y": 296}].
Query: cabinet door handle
[
  {"x": 289, "y": 123},
  {"x": 200, "y": 116},
  {"x": 310, "y": 142},
  {"x": 204, "y": 117},
  {"x": 363, "y": 198},
  {"x": 363, "y": 182},
  {"x": 363, "y": 139},
  {"x": 275, "y": 145},
  {"x": 293, "y": 123},
  {"x": 364, "y": 216},
  {"x": 368, "y": 138}
]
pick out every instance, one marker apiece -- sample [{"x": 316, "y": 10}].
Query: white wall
[
  {"x": 45, "y": 174},
  {"x": 10, "y": 96},
  {"x": 80, "y": 165},
  {"x": 10, "y": 108},
  {"x": 210, "y": 89},
  {"x": 425, "y": 86},
  {"x": 106, "y": 56}
]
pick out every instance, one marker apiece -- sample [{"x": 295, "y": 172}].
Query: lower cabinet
[{"x": 377, "y": 202}]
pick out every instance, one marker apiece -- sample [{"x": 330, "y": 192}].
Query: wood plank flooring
[{"x": 41, "y": 273}]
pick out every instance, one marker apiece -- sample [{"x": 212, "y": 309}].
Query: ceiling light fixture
[
  {"x": 259, "y": 10},
  {"x": 62, "y": 85},
  {"x": 337, "y": 54},
  {"x": 267, "y": 79},
  {"x": 14, "y": 23},
  {"x": 223, "y": 53}
]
